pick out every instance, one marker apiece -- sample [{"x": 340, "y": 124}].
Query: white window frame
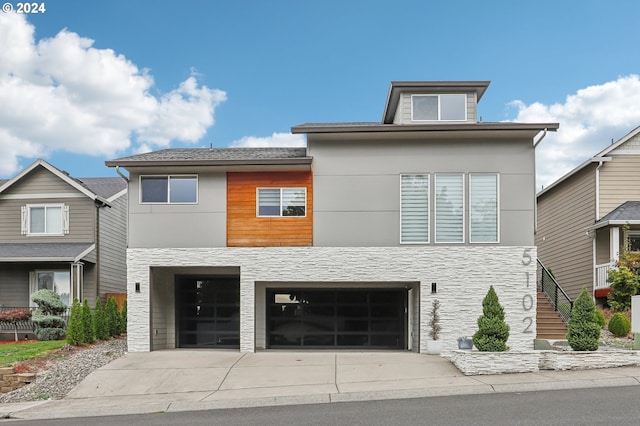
[
  {"x": 64, "y": 220},
  {"x": 280, "y": 209},
  {"x": 33, "y": 284},
  {"x": 168, "y": 176},
  {"x": 497, "y": 175},
  {"x": 438, "y": 95},
  {"x": 435, "y": 208},
  {"x": 630, "y": 233},
  {"x": 428, "y": 176}
]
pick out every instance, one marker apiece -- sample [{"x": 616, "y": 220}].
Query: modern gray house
[
  {"x": 61, "y": 233},
  {"x": 343, "y": 244}
]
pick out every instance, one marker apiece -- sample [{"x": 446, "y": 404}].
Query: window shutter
[
  {"x": 449, "y": 208},
  {"x": 23, "y": 220},
  {"x": 414, "y": 209},
  {"x": 483, "y": 199},
  {"x": 65, "y": 219}
]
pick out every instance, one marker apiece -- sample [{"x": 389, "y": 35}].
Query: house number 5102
[{"x": 527, "y": 299}]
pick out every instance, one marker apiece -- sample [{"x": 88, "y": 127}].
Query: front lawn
[{"x": 10, "y": 353}]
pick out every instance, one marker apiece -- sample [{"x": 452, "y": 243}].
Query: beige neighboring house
[
  {"x": 588, "y": 216},
  {"x": 61, "y": 233}
]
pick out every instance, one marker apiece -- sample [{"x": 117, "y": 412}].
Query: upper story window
[
  {"x": 169, "y": 189},
  {"x": 45, "y": 219},
  {"x": 449, "y": 208},
  {"x": 483, "y": 208},
  {"x": 278, "y": 202},
  {"x": 444, "y": 107},
  {"x": 414, "y": 209}
]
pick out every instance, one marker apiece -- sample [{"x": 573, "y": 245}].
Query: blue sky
[{"x": 85, "y": 82}]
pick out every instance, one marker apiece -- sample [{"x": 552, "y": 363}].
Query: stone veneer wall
[
  {"x": 463, "y": 275},
  {"x": 10, "y": 380}
]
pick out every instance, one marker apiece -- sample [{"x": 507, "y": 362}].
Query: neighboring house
[
  {"x": 588, "y": 216},
  {"x": 61, "y": 233},
  {"x": 343, "y": 244}
]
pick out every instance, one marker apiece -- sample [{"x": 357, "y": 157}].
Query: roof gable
[{"x": 40, "y": 163}]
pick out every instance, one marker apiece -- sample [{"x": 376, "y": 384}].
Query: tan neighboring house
[
  {"x": 61, "y": 233},
  {"x": 588, "y": 216}
]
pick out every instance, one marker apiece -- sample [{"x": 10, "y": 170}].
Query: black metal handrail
[
  {"x": 26, "y": 325},
  {"x": 549, "y": 286}
]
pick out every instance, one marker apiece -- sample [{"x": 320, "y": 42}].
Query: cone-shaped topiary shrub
[
  {"x": 87, "y": 323},
  {"x": 583, "y": 328},
  {"x": 123, "y": 317},
  {"x": 619, "y": 325},
  {"x": 100, "y": 321},
  {"x": 47, "y": 317},
  {"x": 493, "y": 331},
  {"x": 113, "y": 317},
  {"x": 75, "y": 330}
]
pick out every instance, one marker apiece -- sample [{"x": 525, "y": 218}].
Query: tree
[
  {"x": 123, "y": 317},
  {"x": 87, "y": 323},
  {"x": 493, "y": 331},
  {"x": 75, "y": 330},
  {"x": 113, "y": 317},
  {"x": 47, "y": 317},
  {"x": 100, "y": 322},
  {"x": 14, "y": 316},
  {"x": 624, "y": 284},
  {"x": 583, "y": 328}
]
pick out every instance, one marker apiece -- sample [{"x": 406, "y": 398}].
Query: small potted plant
[{"x": 434, "y": 345}]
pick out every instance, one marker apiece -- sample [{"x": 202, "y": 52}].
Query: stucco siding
[
  {"x": 357, "y": 188},
  {"x": 564, "y": 213},
  {"x": 180, "y": 225},
  {"x": 619, "y": 182},
  {"x": 463, "y": 275}
]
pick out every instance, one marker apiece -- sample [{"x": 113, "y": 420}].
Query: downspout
[
  {"x": 535, "y": 200},
  {"x": 121, "y": 174}
]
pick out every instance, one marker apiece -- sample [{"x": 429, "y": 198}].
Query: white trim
[
  {"x": 120, "y": 194},
  {"x": 40, "y": 196},
  {"x": 33, "y": 282},
  {"x": 281, "y": 188},
  {"x": 63, "y": 212},
  {"x": 612, "y": 222},
  {"x": 437, "y": 95},
  {"x": 84, "y": 253},
  {"x": 168, "y": 176}
]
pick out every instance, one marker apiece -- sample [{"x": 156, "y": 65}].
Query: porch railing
[
  {"x": 602, "y": 273},
  {"x": 559, "y": 299},
  {"x": 27, "y": 325}
]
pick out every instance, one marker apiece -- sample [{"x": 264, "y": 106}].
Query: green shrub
[
  {"x": 619, "y": 325},
  {"x": 583, "y": 328},
  {"x": 75, "y": 331},
  {"x": 87, "y": 323},
  {"x": 493, "y": 331},
  {"x": 47, "y": 315},
  {"x": 600, "y": 318},
  {"x": 123, "y": 317},
  {"x": 113, "y": 317},
  {"x": 100, "y": 322},
  {"x": 624, "y": 284}
]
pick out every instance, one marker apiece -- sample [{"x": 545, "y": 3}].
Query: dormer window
[{"x": 445, "y": 107}]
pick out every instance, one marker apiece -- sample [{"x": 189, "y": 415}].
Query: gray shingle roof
[
  {"x": 67, "y": 252},
  {"x": 190, "y": 154},
  {"x": 104, "y": 187},
  {"x": 629, "y": 210}
]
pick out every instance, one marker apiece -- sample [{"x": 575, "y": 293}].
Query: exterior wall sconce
[
  {"x": 434, "y": 288},
  {"x": 137, "y": 287}
]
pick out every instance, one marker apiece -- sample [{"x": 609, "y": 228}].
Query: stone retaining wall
[
  {"x": 10, "y": 380},
  {"x": 473, "y": 363}
]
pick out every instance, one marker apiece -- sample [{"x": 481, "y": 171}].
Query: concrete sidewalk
[{"x": 185, "y": 380}]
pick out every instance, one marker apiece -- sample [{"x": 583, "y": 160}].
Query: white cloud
[
  {"x": 62, "y": 94},
  {"x": 275, "y": 140},
  {"x": 589, "y": 120}
]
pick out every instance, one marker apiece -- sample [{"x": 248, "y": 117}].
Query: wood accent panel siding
[
  {"x": 245, "y": 229},
  {"x": 619, "y": 182},
  {"x": 563, "y": 246}
]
